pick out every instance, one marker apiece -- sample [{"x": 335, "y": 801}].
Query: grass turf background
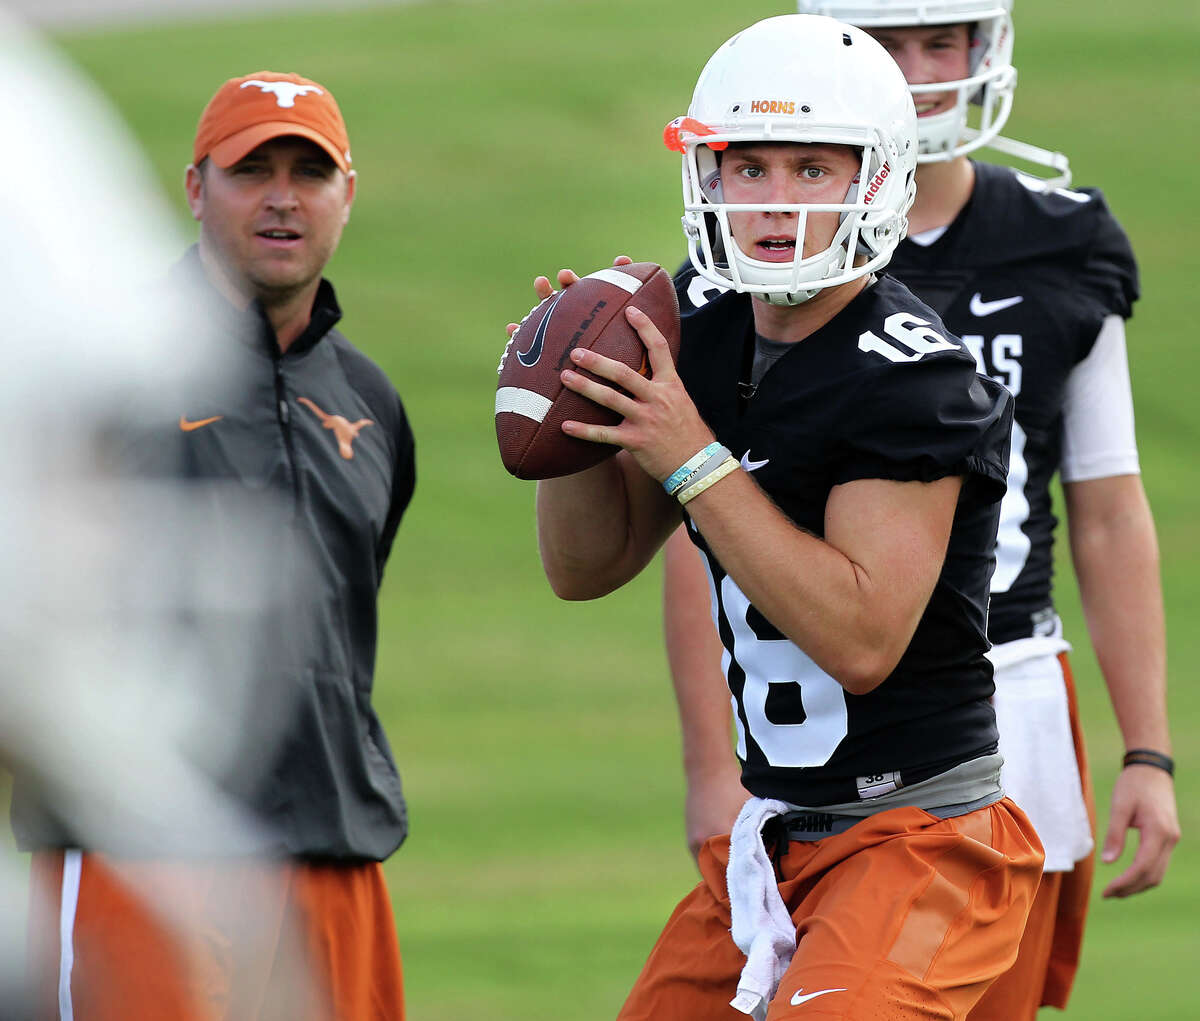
[{"x": 537, "y": 739}]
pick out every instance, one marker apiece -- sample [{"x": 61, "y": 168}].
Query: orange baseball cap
[{"x": 247, "y": 111}]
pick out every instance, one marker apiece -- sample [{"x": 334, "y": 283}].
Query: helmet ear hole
[
  {"x": 711, "y": 183},
  {"x": 708, "y": 163}
]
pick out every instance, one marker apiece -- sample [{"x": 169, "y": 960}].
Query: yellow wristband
[{"x": 726, "y": 467}]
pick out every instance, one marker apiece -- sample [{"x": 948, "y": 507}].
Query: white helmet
[
  {"x": 992, "y": 77},
  {"x": 799, "y": 78}
]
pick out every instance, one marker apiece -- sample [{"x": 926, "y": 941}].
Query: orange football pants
[
  {"x": 154, "y": 941},
  {"x": 904, "y": 916},
  {"x": 1049, "y": 954}
]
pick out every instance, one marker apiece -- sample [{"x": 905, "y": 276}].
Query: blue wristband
[{"x": 681, "y": 475}]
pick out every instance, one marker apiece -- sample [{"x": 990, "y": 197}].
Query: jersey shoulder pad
[
  {"x": 694, "y": 292},
  {"x": 922, "y": 410},
  {"x": 1016, "y": 218},
  {"x": 891, "y": 301},
  {"x": 708, "y": 314}
]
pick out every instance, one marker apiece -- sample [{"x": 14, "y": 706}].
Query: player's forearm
[
  {"x": 852, "y": 621},
  {"x": 694, "y": 656},
  {"x": 714, "y": 790},
  {"x": 1115, "y": 553},
  {"x": 706, "y": 722},
  {"x": 600, "y": 527}
]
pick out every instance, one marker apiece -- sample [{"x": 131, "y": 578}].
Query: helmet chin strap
[{"x": 791, "y": 299}]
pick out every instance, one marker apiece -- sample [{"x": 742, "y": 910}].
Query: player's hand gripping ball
[{"x": 532, "y": 403}]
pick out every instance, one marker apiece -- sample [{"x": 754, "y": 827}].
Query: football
[{"x": 532, "y": 403}]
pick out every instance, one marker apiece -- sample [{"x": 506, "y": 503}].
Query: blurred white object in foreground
[{"x": 111, "y": 700}]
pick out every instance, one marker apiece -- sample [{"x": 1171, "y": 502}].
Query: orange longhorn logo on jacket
[{"x": 345, "y": 431}]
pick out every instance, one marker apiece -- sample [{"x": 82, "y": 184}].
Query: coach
[{"x": 309, "y": 422}]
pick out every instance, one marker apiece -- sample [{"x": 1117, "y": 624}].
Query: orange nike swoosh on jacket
[{"x": 200, "y": 423}]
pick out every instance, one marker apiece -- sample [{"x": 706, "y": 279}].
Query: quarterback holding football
[
  {"x": 1037, "y": 280},
  {"x": 839, "y": 463}
]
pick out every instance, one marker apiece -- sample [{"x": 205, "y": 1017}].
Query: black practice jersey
[
  {"x": 1026, "y": 277},
  {"x": 882, "y": 391}
]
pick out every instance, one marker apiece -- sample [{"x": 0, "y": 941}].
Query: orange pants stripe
[
  {"x": 153, "y": 941},
  {"x": 903, "y": 916},
  {"x": 1049, "y": 956}
]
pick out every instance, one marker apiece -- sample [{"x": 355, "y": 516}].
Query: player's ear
[
  {"x": 351, "y": 189},
  {"x": 193, "y": 186}
]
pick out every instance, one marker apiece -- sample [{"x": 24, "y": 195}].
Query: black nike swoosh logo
[{"x": 530, "y": 357}]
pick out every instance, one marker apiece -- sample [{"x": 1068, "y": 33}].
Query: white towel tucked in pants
[
  {"x": 1040, "y": 772},
  {"x": 762, "y": 927}
]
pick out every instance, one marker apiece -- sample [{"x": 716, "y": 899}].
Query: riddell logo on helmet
[
  {"x": 773, "y": 106},
  {"x": 877, "y": 183},
  {"x": 989, "y": 58}
]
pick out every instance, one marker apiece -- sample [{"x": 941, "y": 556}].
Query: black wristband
[{"x": 1148, "y": 757}]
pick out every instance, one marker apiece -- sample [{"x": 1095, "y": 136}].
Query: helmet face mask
[
  {"x": 806, "y": 80},
  {"x": 991, "y": 78}
]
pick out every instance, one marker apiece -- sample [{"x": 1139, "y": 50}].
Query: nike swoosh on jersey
[
  {"x": 753, "y": 465},
  {"x": 800, "y": 996},
  {"x": 200, "y": 423},
  {"x": 981, "y": 308}
]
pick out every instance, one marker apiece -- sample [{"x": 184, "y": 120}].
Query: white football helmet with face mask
[
  {"x": 989, "y": 85},
  {"x": 806, "y": 79},
  {"x": 991, "y": 79}
]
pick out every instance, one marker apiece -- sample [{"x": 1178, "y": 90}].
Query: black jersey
[
  {"x": 1026, "y": 277},
  {"x": 883, "y": 392}
]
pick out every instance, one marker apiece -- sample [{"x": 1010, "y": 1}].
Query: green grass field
[{"x": 538, "y": 742}]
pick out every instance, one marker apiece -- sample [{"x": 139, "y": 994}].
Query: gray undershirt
[
  {"x": 766, "y": 353},
  {"x": 959, "y": 790}
]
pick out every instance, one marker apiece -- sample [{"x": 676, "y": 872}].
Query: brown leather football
[{"x": 532, "y": 403}]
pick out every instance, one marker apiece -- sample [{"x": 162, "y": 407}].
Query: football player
[
  {"x": 1037, "y": 280},
  {"x": 839, "y": 463}
]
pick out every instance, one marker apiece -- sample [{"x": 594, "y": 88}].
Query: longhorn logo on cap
[{"x": 285, "y": 92}]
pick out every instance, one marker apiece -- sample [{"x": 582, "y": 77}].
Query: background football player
[
  {"x": 848, "y": 550},
  {"x": 1038, "y": 281}
]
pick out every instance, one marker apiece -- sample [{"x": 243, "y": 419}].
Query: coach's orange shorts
[
  {"x": 1049, "y": 954},
  {"x": 151, "y": 941},
  {"x": 903, "y": 916}
]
